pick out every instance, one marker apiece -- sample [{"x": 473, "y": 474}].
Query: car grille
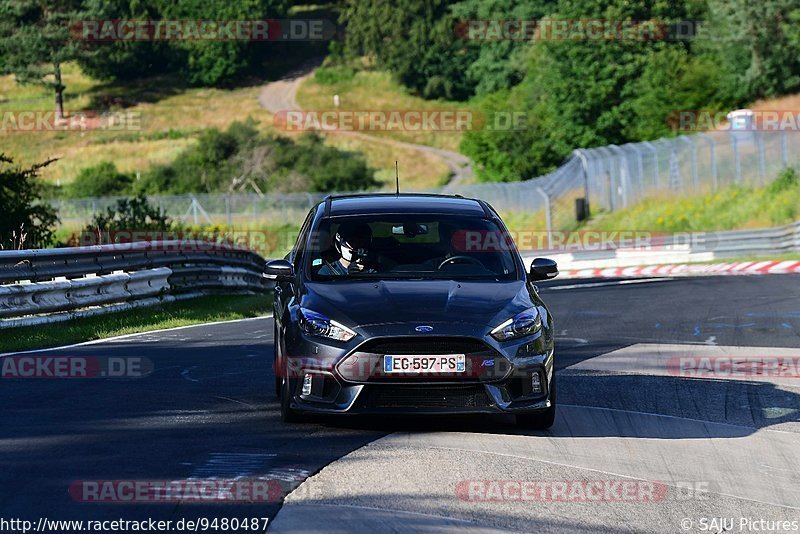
[
  {"x": 424, "y": 345},
  {"x": 426, "y": 397}
]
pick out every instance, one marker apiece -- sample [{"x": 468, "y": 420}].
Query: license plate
[{"x": 445, "y": 363}]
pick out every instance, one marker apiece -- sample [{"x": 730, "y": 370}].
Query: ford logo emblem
[{"x": 424, "y": 328}]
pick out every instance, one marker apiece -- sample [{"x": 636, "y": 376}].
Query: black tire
[
  {"x": 275, "y": 368},
  {"x": 540, "y": 420},
  {"x": 287, "y": 414}
]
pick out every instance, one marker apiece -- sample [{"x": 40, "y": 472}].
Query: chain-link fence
[
  {"x": 235, "y": 210},
  {"x": 614, "y": 177},
  {"x": 605, "y": 178}
]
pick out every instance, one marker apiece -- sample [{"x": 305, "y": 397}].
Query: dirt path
[{"x": 281, "y": 95}]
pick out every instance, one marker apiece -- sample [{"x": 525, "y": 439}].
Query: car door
[{"x": 285, "y": 290}]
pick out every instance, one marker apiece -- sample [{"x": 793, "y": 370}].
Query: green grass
[
  {"x": 375, "y": 91},
  {"x": 200, "y": 310},
  {"x": 732, "y": 208}
]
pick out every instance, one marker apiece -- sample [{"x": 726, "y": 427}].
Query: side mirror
[
  {"x": 543, "y": 269},
  {"x": 280, "y": 270}
]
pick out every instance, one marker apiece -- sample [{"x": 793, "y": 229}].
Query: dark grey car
[{"x": 440, "y": 317}]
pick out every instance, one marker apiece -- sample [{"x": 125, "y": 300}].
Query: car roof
[{"x": 374, "y": 203}]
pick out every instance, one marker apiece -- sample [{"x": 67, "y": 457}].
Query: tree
[
  {"x": 579, "y": 91},
  {"x": 499, "y": 63},
  {"x": 35, "y": 42},
  {"x": 413, "y": 39},
  {"x": 26, "y": 221},
  {"x": 214, "y": 62},
  {"x": 756, "y": 45}
]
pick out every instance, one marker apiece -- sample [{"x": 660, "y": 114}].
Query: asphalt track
[{"x": 727, "y": 447}]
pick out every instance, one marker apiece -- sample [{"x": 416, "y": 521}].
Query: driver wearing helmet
[{"x": 352, "y": 242}]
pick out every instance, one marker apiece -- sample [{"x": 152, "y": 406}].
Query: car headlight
[
  {"x": 523, "y": 324},
  {"x": 316, "y": 324}
]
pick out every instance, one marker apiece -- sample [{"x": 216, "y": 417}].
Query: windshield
[{"x": 410, "y": 246}]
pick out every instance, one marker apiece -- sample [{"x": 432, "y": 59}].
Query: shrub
[
  {"x": 333, "y": 75},
  {"x": 240, "y": 158},
  {"x": 26, "y": 222},
  {"x": 100, "y": 180},
  {"x": 130, "y": 215}
]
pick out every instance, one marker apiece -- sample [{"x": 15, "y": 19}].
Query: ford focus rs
[{"x": 411, "y": 304}]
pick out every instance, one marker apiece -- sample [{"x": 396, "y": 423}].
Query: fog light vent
[
  {"x": 536, "y": 383},
  {"x": 307, "y": 384}
]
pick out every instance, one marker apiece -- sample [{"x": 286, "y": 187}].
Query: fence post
[
  {"x": 228, "y": 210},
  {"x": 547, "y": 216},
  {"x": 624, "y": 174},
  {"x": 695, "y": 177},
  {"x": 737, "y": 162},
  {"x": 194, "y": 210},
  {"x": 762, "y": 166},
  {"x": 712, "y": 155},
  {"x": 784, "y": 149},
  {"x": 585, "y": 167},
  {"x": 652, "y": 147},
  {"x": 640, "y": 169}
]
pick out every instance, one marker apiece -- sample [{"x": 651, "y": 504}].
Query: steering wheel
[{"x": 470, "y": 259}]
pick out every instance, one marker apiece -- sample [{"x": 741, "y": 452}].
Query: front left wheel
[{"x": 275, "y": 366}]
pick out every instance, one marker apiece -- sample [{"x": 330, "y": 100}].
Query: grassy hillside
[
  {"x": 375, "y": 91},
  {"x": 171, "y": 118}
]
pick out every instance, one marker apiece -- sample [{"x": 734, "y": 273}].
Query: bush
[
  {"x": 26, "y": 222},
  {"x": 130, "y": 215},
  {"x": 333, "y": 75},
  {"x": 102, "y": 180},
  {"x": 241, "y": 159},
  {"x": 327, "y": 168}
]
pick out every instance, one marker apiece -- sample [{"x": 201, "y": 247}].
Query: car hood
[{"x": 418, "y": 302}]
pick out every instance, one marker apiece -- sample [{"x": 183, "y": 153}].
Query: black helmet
[{"x": 353, "y": 240}]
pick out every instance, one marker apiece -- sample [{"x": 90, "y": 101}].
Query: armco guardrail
[
  {"x": 52, "y": 285},
  {"x": 684, "y": 248}
]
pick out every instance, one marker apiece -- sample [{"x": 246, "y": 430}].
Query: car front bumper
[{"x": 349, "y": 380}]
